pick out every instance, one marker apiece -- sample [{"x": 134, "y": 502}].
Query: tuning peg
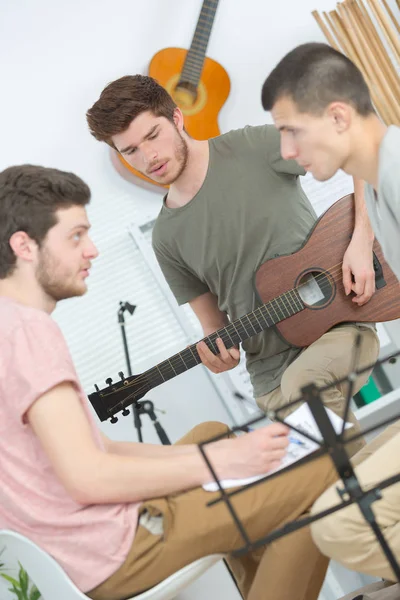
[
  {"x": 96, "y": 387},
  {"x": 125, "y": 412},
  {"x": 108, "y": 381},
  {"x": 120, "y": 373},
  {"x": 114, "y": 419}
]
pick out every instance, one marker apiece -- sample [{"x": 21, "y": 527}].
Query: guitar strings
[
  {"x": 146, "y": 379},
  {"x": 336, "y": 269},
  {"x": 173, "y": 362}
]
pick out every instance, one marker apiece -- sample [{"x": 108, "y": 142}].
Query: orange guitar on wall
[{"x": 198, "y": 84}]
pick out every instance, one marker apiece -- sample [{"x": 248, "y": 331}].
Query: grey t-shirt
[
  {"x": 384, "y": 207},
  {"x": 249, "y": 209}
]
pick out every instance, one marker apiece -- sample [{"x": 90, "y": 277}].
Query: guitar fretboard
[
  {"x": 193, "y": 66},
  {"x": 237, "y": 331}
]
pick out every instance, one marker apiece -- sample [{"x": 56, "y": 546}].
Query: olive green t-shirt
[{"x": 250, "y": 208}]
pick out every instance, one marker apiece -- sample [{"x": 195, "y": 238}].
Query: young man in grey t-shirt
[{"x": 322, "y": 106}]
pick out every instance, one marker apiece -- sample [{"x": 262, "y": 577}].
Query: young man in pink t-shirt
[{"x": 119, "y": 517}]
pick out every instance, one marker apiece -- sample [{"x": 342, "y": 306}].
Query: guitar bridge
[{"x": 379, "y": 278}]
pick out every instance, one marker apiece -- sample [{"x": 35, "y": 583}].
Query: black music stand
[{"x": 332, "y": 444}]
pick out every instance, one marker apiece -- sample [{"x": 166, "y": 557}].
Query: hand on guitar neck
[{"x": 226, "y": 359}]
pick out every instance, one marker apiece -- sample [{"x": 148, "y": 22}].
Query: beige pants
[
  {"x": 327, "y": 359},
  {"x": 290, "y": 568},
  {"x": 345, "y": 535}
]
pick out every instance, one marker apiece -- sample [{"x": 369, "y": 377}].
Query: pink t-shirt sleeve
[{"x": 39, "y": 360}]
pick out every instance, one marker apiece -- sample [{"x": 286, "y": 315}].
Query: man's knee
[
  {"x": 206, "y": 431},
  {"x": 294, "y": 379},
  {"x": 331, "y": 532}
]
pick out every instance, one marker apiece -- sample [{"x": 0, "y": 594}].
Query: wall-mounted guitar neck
[{"x": 185, "y": 93}]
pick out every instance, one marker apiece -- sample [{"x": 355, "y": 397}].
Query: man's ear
[
  {"x": 341, "y": 115},
  {"x": 178, "y": 119},
  {"x": 23, "y": 246}
]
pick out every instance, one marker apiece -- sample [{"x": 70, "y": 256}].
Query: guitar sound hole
[
  {"x": 185, "y": 94},
  {"x": 316, "y": 288}
]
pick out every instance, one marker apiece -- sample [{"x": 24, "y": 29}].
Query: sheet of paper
[{"x": 303, "y": 419}]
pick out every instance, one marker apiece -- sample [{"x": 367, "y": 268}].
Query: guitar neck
[
  {"x": 193, "y": 66},
  {"x": 259, "y": 320}
]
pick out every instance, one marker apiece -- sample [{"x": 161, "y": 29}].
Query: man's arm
[
  {"x": 357, "y": 260},
  {"x": 186, "y": 287},
  {"x": 142, "y": 449},
  {"x": 212, "y": 318},
  {"x": 92, "y": 476}
]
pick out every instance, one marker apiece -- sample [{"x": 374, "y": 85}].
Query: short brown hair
[
  {"x": 125, "y": 99},
  {"x": 29, "y": 198}
]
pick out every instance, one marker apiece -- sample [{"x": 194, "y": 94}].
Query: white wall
[{"x": 56, "y": 58}]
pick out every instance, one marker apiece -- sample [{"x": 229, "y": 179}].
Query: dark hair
[
  {"x": 122, "y": 101},
  {"x": 29, "y": 199},
  {"x": 314, "y": 75}
]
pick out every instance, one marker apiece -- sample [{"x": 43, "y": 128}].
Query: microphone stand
[
  {"x": 138, "y": 407},
  {"x": 121, "y": 320}
]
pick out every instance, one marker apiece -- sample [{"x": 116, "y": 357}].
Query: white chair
[{"x": 53, "y": 582}]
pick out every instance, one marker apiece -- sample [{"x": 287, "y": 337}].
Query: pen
[
  {"x": 291, "y": 439},
  {"x": 296, "y": 441}
]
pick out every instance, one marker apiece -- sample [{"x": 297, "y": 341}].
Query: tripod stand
[{"x": 138, "y": 407}]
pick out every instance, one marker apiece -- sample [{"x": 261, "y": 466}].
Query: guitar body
[
  {"x": 322, "y": 254},
  {"x": 201, "y": 116}
]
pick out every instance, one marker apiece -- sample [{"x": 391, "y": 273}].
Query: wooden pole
[
  {"x": 351, "y": 30},
  {"x": 345, "y": 41},
  {"x": 391, "y": 15},
  {"x": 387, "y": 29},
  {"x": 368, "y": 59},
  {"x": 351, "y": 51},
  {"x": 325, "y": 30},
  {"x": 377, "y": 47}
]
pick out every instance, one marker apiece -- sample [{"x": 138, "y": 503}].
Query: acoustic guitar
[
  {"x": 198, "y": 84},
  {"x": 301, "y": 295}
]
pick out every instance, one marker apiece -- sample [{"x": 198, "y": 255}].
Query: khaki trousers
[
  {"x": 345, "y": 535},
  {"x": 290, "y": 568},
  {"x": 327, "y": 359}
]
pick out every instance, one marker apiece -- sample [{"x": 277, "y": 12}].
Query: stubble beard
[
  {"x": 53, "y": 281},
  {"x": 181, "y": 156}
]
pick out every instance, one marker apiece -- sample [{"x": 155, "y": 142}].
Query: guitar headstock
[{"x": 117, "y": 396}]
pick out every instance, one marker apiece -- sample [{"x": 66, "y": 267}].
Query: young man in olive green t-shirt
[{"x": 232, "y": 204}]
